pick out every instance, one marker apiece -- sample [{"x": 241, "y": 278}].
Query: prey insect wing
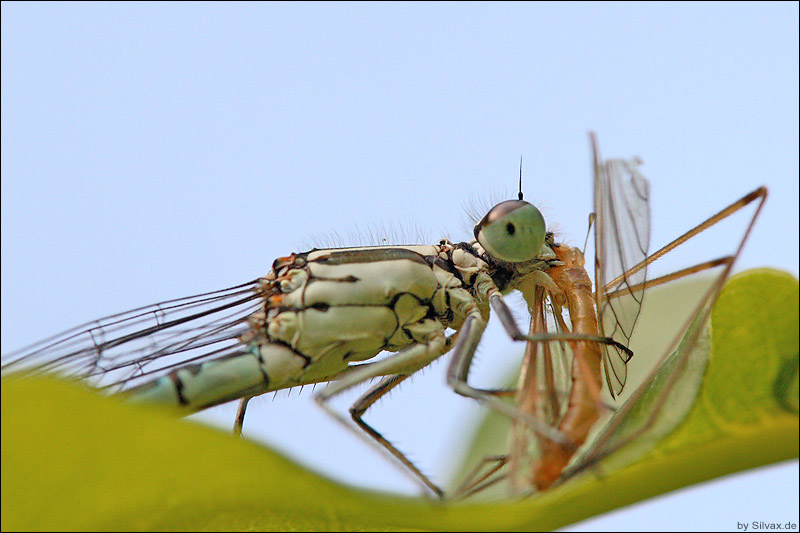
[{"x": 622, "y": 239}]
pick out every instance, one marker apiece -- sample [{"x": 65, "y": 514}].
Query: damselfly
[
  {"x": 560, "y": 382},
  {"x": 320, "y": 316}
]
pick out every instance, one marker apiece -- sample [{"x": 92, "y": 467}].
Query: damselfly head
[{"x": 512, "y": 231}]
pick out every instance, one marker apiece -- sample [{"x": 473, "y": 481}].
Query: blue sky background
[{"x": 152, "y": 151}]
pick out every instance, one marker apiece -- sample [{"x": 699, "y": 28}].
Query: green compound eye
[{"x": 512, "y": 231}]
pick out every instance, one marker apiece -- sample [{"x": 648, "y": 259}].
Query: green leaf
[{"x": 74, "y": 460}]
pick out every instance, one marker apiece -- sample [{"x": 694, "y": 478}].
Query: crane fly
[{"x": 560, "y": 382}]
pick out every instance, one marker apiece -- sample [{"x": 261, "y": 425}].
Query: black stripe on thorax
[
  {"x": 371, "y": 255},
  {"x": 500, "y": 272},
  {"x": 467, "y": 247}
]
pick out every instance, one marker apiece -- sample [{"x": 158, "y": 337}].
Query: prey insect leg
[{"x": 475, "y": 483}]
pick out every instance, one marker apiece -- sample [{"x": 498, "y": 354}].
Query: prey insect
[
  {"x": 322, "y": 316},
  {"x": 560, "y": 383}
]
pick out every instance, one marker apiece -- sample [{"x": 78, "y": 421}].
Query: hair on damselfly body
[{"x": 621, "y": 222}]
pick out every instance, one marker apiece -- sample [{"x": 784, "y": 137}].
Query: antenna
[{"x": 519, "y": 195}]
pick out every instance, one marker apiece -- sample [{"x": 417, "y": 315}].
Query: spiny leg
[
  {"x": 361, "y": 405},
  {"x": 239, "y": 422},
  {"x": 395, "y": 369},
  {"x": 482, "y": 477}
]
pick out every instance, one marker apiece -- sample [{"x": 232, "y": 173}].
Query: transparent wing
[
  {"x": 622, "y": 239},
  {"x": 123, "y": 350},
  {"x": 543, "y": 386}
]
